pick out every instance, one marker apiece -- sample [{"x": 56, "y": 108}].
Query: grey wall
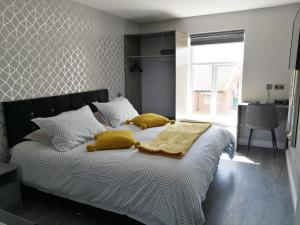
[
  {"x": 52, "y": 47},
  {"x": 267, "y": 43}
]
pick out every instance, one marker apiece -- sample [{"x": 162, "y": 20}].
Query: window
[{"x": 216, "y": 72}]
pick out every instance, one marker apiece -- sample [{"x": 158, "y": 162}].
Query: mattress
[{"x": 152, "y": 189}]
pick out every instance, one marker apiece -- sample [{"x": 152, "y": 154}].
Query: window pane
[
  {"x": 216, "y": 74},
  {"x": 228, "y": 82},
  {"x": 202, "y": 85}
]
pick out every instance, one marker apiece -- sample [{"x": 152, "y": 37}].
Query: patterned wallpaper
[{"x": 52, "y": 47}]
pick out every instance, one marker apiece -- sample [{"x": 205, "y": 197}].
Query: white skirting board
[{"x": 292, "y": 182}]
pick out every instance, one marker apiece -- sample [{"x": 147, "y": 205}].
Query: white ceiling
[{"x": 142, "y": 11}]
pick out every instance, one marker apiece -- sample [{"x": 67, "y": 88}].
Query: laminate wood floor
[{"x": 250, "y": 190}]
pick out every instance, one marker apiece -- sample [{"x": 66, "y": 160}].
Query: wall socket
[
  {"x": 269, "y": 86},
  {"x": 279, "y": 86}
]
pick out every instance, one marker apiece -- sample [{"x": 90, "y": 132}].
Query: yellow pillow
[
  {"x": 113, "y": 139},
  {"x": 148, "y": 120}
]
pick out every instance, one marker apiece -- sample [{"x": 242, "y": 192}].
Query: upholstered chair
[{"x": 262, "y": 117}]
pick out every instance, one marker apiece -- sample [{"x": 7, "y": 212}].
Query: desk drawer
[{"x": 10, "y": 196}]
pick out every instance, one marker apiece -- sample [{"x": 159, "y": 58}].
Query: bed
[{"x": 151, "y": 189}]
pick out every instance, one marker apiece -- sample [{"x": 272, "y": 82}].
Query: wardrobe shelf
[{"x": 149, "y": 56}]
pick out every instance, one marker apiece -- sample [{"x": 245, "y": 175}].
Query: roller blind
[{"x": 217, "y": 37}]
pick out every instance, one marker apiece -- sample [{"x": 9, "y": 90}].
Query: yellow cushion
[
  {"x": 113, "y": 139},
  {"x": 148, "y": 120}
]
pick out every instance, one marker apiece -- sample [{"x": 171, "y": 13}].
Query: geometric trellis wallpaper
[{"x": 52, "y": 47}]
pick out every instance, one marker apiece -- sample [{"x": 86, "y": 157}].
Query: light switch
[
  {"x": 279, "y": 86},
  {"x": 269, "y": 86}
]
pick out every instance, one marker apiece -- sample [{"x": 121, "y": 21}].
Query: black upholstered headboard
[{"x": 18, "y": 114}]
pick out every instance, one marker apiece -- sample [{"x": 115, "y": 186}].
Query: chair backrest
[{"x": 261, "y": 116}]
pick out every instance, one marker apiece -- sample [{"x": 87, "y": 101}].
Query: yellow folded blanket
[{"x": 175, "y": 140}]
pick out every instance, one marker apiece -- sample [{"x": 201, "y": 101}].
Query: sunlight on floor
[{"x": 239, "y": 158}]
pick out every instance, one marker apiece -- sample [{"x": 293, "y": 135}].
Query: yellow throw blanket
[{"x": 175, "y": 140}]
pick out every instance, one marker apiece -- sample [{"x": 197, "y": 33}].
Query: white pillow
[
  {"x": 116, "y": 112},
  {"x": 101, "y": 118},
  {"x": 70, "y": 129},
  {"x": 39, "y": 135}
]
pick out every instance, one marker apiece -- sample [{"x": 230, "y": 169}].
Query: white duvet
[{"x": 151, "y": 189}]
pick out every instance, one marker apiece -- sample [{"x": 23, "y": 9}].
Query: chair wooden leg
[
  {"x": 249, "y": 141},
  {"x": 274, "y": 142}
]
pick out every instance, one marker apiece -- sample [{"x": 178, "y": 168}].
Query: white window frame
[{"x": 215, "y": 65}]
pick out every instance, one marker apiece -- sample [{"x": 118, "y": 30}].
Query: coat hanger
[{"x": 136, "y": 67}]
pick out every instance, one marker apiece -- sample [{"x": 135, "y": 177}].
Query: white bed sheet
[{"x": 154, "y": 190}]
